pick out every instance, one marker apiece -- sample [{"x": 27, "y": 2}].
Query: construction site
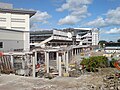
[
  {"x": 28, "y": 74},
  {"x": 57, "y": 59}
]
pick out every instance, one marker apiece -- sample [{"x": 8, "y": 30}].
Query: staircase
[{"x": 45, "y": 41}]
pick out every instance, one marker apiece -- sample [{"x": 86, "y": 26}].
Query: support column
[
  {"x": 67, "y": 62},
  {"x": 33, "y": 62},
  {"x": 72, "y": 53},
  {"x": 11, "y": 60},
  {"x": 78, "y": 51},
  {"x": 45, "y": 58},
  {"x": 75, "y": 52},
  {"x": 60, "y": 68},
  {"x": 64, "y": 58},
  {"x": 57, "y": 61},
  {"x": 47, "y": 61}
]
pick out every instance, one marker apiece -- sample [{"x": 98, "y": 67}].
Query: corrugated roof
[{"x": 19, "y": 11}]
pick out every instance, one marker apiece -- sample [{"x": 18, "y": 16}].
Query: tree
[
  {"x": 118, "y": 40},
  {"x": 95, "y": 62},
  {"x": 101, "y": 43}
]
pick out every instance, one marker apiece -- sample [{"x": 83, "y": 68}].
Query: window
[
  {"x": 17, "y": 20},
  {"x": 2, "y": 19},
  {"x": 18, "y": 28},
  {"x": 89, "y": 39},
  {"x": 1, "y": 44}
]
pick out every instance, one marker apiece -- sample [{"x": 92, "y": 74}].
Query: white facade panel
[
  {"x": 11, "y": 35},
  {"x": 17, "y": 22},
  {"x": 61, "y": 33}
]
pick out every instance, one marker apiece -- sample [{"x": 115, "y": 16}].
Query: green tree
[
  {"x": 118, "y": 40},
  {"x": 101, "y": 43},
  {"x": 95, "y": 62},
  {"x": 112, "y": 62}
]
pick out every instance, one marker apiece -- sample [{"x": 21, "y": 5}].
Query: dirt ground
[{"x": 91, "y": 81}]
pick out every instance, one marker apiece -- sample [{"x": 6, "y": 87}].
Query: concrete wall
[
  {"x": 11, "y": 35},
  {"x": 95, "y": 36},
  {"x": 18, "y": 22},
  {"x": 10, "y": 45},
  {"x": 11, "y": 40},
  {"x": 14, "y": 21}
]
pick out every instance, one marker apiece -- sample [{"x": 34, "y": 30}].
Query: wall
[
  {"x": 18, "y": 22},
  {"x": 11, "y": 40},
  {"x": 10, "y": 45},
  {"x": 95, "y": 36}
]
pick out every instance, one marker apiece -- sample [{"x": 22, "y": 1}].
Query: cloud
[
  {"x": 39, "y": 18},
  {"x": 78, "y": 10},
  {"x": 73, "y": 4},
  {"x": 114, "y": 31},
  {"x": 112, "y": 18},
  {"x": 68, "y": 20},
  {"x": 99, "y": 22}
]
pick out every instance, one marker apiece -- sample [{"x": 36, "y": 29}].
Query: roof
[
  {"x": 4, "y": 29},
  {"x": 19, "y": 11},
  {"x": 41, "y": 32}
]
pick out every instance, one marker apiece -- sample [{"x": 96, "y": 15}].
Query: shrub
[{"x": 95, "y": 62}]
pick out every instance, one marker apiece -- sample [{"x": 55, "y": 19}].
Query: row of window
[
  {"x": 2, "y": 19},
  {"x": 17, "y": 20},
  {"x": 13, "y": 20}
]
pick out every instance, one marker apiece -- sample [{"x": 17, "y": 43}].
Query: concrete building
[
  {"x": 69, "y": 36},
  {"x": 50, "y": 38},
  {"x": 14, "y": 28},
  {"x": 112, "y": 47},
  {"x": 86, "y": 36}
]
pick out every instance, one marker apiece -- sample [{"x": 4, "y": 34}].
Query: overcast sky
[{"x": 102, "y": 14}]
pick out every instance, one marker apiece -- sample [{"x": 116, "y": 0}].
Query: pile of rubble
[
  {"x": 86, "y": 81},
  {"x": 111, "y": 82}
]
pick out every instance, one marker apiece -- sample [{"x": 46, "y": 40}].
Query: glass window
[{"x": 1, "y": 44}]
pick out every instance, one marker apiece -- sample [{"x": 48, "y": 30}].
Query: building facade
[
  {"x": 86, "y": 36},
  {"x": 112, "y": 47},
  {"x": 14, "y": 28},
  {"x": 70, "y": 36}
]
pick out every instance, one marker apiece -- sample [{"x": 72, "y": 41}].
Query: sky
[{"x": 102, "y": 14}]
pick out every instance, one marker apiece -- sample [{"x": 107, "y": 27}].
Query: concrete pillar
[
  {"x": 57, "y": 61},
  {"x": 67, "y": 62},
  {"x": 45, "y": 58},
  {"x": 78, "y": 51},
  {"x": 35, "y": 57},
  {"x": 47, "y": 54},
  {"x": 75, "y": 51},
  {"x": 11, "y": 60},
  {"x": 33, "y": 62},
  {"x": 64, "y": 58},
  {"x": 60, "y": 68},
  {"x": 72, "y": 53}
]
